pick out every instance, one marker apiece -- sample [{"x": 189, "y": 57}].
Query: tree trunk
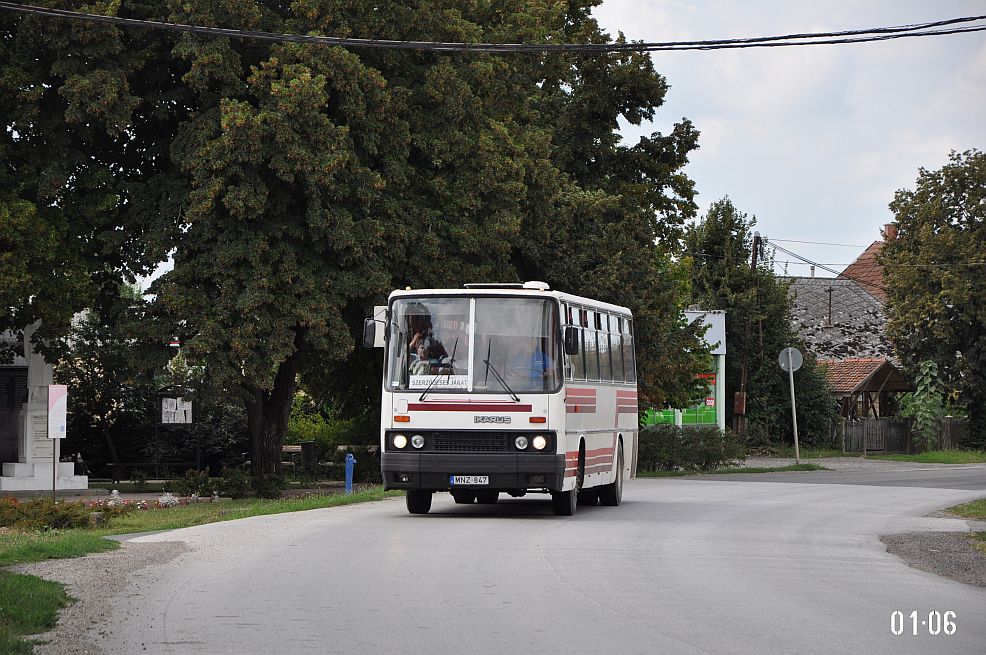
[{"x": 268, "y": 412}]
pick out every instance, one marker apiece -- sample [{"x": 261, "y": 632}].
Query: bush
[
  {"x": 367, "y": 463},
  {"x": 671, "y": 448},
  {"x": 268, "y": 486},
  {"x": 139, "y": 480},
  {"x": 193, "y": 482},
  {"x": 235, "y": 483},
  {"x": 42, "y": 513}
]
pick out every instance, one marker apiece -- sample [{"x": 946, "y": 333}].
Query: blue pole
[{"x": 350, "y": 465}]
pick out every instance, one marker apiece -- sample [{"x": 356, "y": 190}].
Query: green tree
[
  {"x": 936, "y": 291},
  {"x": 758, "y": 325},
  {"x": 298, "y": 184}
]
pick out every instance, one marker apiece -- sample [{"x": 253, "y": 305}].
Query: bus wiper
[
  {"x": 451, "y": 363},
  {"x": 496, "y": 374}
]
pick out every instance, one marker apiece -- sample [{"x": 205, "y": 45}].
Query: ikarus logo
[{"x": 492, "y": 419}]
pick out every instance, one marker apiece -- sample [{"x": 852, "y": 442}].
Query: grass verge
[
  {"x": 939, "y": 457},
  {"x": 733, "y": 469},
  {"x": 28, "y": 605}
]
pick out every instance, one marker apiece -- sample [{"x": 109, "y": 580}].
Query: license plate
[{"x": 459, "y": 480}]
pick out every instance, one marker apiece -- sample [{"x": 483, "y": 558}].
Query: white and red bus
[{"x": 506, "y": 388}]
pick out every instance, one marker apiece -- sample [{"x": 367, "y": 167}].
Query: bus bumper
[{"x": 507, "y": 471}]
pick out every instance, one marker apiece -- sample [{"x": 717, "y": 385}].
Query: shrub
[
  {"x": 670, "y": 448},
  {"x": 367, "y": 463},
  {"x": 268, "y": 486},
  {"x": 193, "y": 482},
  {"x": 42, "y": 513},
  {"x": 235, "y": 483},
  {"x": 139, "y": 480}
]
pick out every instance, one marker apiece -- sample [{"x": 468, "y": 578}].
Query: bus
[{"x": 506, "y": 389}]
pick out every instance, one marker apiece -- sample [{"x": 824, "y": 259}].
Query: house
[
  {"x": 842, "y": 321},
  {"x": 861, "y": 384}
]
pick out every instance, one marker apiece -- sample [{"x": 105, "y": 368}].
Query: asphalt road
[{"x": 683, "y": 566}]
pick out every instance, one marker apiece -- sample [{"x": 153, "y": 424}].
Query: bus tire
[
  {"x": 418, "y": 501},
  {"x": 611, "y": 495},
  {"x": 487, "y": 497},
  {"x": 588, "y": 497},
  {"x": 464, "y": 497},
  {"x": 563, "y": 503}
]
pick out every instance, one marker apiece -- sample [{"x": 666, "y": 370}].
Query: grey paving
[{"x": 684, "y": 566}]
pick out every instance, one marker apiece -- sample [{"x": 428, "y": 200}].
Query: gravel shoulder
[{"x": 93, "y": 581}]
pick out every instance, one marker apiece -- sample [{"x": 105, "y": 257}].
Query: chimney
[{"x": 889, "y": 231}]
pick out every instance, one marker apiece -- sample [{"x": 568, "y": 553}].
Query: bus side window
[
  {"x": 591, "y": 354},
  {"x": 605, "y": 366},
  {"x": 628, "y": 359},
  {"x": 616, "y": 347},
  {"x": 577, "y": 362}
]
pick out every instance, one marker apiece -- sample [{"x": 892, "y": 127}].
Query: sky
[{"x": 814, "y": 141}]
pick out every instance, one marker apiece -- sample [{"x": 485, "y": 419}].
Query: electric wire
[{"x": 935, "y": 28}]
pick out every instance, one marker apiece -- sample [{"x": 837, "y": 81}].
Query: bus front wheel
[
  {"x": 563, "y": 502},
  {"x": 418, "y": 501}
]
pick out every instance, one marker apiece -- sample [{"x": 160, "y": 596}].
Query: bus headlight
[
  {"x": 539, "y": 443},
  {"x": 400, "y": 441},
  {"x": 521, "y": 443},
  {"x": 418, "y": 441}
]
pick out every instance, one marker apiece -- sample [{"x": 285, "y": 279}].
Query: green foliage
[
  {"x": 234, "y": 483},
  {"x": 193, "y": 482},
  {"x": 268, "y": 486},
  {"x": 671, "y": 448},
  {"x": 927, "y": 404},
  {"x": 297, "y": 184},
  {"x": 758, "y": 327},
  {"x": 43, "y": 514},
  {"x": 936, "y": 290},
  {"x": 139, "y": 480}
]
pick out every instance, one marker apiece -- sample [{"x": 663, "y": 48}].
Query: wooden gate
[{"x": 894, "y": 435}]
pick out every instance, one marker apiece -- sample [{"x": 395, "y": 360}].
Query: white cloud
[{"x": 814, "y": 140}]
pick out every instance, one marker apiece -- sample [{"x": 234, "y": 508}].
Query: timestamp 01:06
[{"x": 915, "y": 623}]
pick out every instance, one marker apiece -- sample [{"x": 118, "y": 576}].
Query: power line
[
  {"x": 821, "y": 243},
  {"x": 936, "y": 28}
]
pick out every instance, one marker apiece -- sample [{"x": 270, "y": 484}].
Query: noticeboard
[{"x": 176, "y": 410}]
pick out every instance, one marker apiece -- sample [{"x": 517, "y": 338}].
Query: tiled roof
[
  {"x": 848, "y": 376},
  {"x": 867, "y": 272},
  {"x": 857, "y": 321}
]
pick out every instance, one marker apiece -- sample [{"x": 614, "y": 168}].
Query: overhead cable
[{"x": 935, "y": 28}]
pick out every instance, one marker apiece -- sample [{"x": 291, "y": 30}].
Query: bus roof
[{"x": 513, "y": 292}]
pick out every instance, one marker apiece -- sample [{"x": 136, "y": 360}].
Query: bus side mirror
[
  {"x": 369, "y": 333},
  {"x": 571, "y": 340}
]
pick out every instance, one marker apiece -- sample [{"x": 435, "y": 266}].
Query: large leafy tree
[
  {"x": 936, "y": 290},
  {"x": 298, "y": 184},
  {"x": 758, "y": 325}
]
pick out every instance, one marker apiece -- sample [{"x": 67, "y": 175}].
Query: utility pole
[{"x": 739, "y": 400}]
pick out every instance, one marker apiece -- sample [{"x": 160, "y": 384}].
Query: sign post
[
  {"x": 57, "y": 420},
  {"x": 791, "y": 360}
]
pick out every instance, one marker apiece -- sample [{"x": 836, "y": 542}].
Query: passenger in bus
[{"x": 427, "y": 337}]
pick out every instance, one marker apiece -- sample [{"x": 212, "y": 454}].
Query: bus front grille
[{"x": 467, "y": 443}]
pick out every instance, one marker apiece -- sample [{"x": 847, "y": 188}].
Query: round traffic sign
[{"x": 790, "y": 359}]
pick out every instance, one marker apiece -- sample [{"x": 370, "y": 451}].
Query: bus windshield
[{"x": 474, "y": 344}]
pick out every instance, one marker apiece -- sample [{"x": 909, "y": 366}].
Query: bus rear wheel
[
  {"x": 418, "y": 501},
  {"x": 612, "y": 494}
]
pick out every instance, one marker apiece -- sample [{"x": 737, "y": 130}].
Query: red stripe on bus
[
  {"x": 581, "y": 393},
  {"x": 467, "y": 407},
  {"x": 580, "y": 409}
]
